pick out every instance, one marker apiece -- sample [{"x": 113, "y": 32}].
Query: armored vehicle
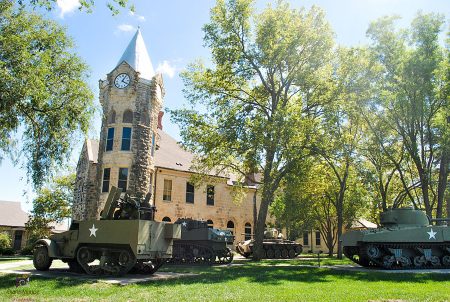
[
  {"x": 405, "y": 239},
  {"x": 274, "y": 246},
  {"x": 200, "y": 244},
  {"x": 124, "y": 238}
]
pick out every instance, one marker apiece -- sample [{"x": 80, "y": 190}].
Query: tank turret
[{"x": 405, "y": 239}]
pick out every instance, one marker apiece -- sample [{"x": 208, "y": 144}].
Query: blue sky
[{"x": 173, "y": 36}]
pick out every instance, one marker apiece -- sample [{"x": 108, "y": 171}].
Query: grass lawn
[{"x": 246, "y": 281}]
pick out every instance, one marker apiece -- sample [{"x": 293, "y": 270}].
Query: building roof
[
  {"x": 11, "y": 214},
  {"x": 171, "y": 155},
  {"x": 137, "y": 57}
]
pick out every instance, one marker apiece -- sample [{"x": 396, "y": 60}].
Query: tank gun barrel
[{"x": 440, "y": 219}]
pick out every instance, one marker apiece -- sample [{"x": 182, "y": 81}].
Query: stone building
[{"x": 135, "y": 154}]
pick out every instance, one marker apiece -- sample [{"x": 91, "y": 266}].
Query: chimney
[{"x": 160, "y": 116}]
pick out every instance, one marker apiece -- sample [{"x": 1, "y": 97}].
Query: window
[
  {"x": 127, "y": 116},
  {"x": 112, "y": 117},
  {"x": 210, "y": 195},
  {"x": 317, "y": 238},
  {"x": 153, "y": 143},
  {"x": 126, "y": 139},
  {"x": 106, "y": 178},
  {"x": 248, "y": 231},
  {"x": 166, "y": 219},
  {"x": 167, "y": 193},
  {"x": 305, "y": 238},
  {"x": 210, "y": 223},
  {"x": 230, "y": 226},
  {"x": 123, "y": 178},
  {"x": 109, "y": 140},
  {"x": 189, "y": 192}
]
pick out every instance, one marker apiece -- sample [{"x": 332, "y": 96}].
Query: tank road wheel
[
  {"x": 435, "y": 261},
  {"x": 277, "y": 253},
  {"x": 291, "y": 253},
  {"x": 270, "y": 254},
  {"x": 41, "y": 259},
  {"x": 446, "y": 260},
  {"x": 373, "y": 251},
  {"x": 226, "y": 256},
  {"x": 419, "y": 261},
  {"x": 388, "y": 261},
  {"x": 284, "y": 253},
  {"x": 125, "y": 261},
  {"x": 86, "y": 256},
  {"x": 298, "y": 249}
]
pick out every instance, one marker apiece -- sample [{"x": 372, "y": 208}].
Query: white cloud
[
  {"x": 125, "y": 27},
  {"x": 67, "y": 6},
  {"x": 139, "y": 17},
  {"x": 166, "y": 68}
]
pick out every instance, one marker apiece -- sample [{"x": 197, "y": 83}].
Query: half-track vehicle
[
  {"x": 200, "y": 244},
  {"x": 405, "y": 239},
  {"x": 275, "y": 247},
  {"x": 125, "y": 238}
]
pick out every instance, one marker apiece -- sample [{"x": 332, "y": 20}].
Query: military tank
[
  {"x": 125, "y": 238},
  {"x": 201, "y": 245},
  {"x": 275, "y": 247},
  {"x": 405, "y": 239}
]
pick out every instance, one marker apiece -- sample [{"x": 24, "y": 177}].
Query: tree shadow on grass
[{"x": 269, "y": 275}]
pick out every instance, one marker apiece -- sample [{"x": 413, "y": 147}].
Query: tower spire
[{"x": 137, "y": 57}]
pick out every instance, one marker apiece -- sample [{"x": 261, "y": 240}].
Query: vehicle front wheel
[{"x": 41, "y": 259}]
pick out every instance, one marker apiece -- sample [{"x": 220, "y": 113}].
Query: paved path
[{"x": 8, "y": 265}]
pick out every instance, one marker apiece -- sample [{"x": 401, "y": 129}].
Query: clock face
[{"x": 122, "y": 80}]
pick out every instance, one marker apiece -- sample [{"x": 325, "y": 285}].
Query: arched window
[
  {"x": 166, "y": 219},
  {"x": 210, "y": 223},
  {"x": 112, "y": 117},
  {"x": 127, "y": 116},
  {"x": 248, "y": 231}
]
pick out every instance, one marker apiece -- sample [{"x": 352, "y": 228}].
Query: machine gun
[{"x": 127, "y": 207}]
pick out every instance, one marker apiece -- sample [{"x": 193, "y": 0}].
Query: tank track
[
  {"x": 281, "y": 251},
  {"x": 400, "y": 255},
  {"x": 186, "y": 253}
]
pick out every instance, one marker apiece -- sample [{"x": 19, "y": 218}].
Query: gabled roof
[
  {"x": 171, "y": 155},
  {"x": 11, "y": 214},
  {"x": 137, "y": 57}
]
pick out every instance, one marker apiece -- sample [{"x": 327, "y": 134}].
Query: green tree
[
  {"x": 411, "y": 94},
  {"x": 262, "y": 96},
  {"x": 114, "y": 6},
  {"x": 53, "y": 204},
  {"x": 45, "y": 101}
]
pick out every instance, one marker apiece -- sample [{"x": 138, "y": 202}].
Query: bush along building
[{"x": 135, "y": 154}]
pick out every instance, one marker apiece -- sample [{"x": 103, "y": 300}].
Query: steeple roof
[{"x": 137, "y": 57}]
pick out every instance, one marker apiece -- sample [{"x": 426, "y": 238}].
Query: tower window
[
  {"x": 230, "y": 226},
  {"x": 210, "y": 195},
  {"x": 106, "y": 178},
  {"x": 153, "y": 144},
  {"x": 123, "y": 179},
  {"x": 248, "y": 231},
  {"x": 112, "y": 117},
  {"x": 167, "y": 193},
  {"x": 190, "y": 192},
  {"x": 317, "y": 237},
  {"x": 109, "y": 139},
  {"x": 127, "y": 116},
  {"x": 166, "y": 219},
  {"x": 126, "y": 139},
  {"x": 305, "y": 238}
]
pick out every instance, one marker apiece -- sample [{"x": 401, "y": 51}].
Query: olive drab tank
[
  {"x": 125, "y": 238},
  {"x": 200, "y": 244},
  {"x": 274, "y": 246},
  {"x": 405, "y": 239}
]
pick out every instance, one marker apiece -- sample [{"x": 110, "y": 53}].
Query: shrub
[
  {"x": 27, "y": 250},
  {"x": 8, "y": 251},
  {"x": 5, "y": 241}
]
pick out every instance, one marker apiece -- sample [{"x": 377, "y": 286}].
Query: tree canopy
[{"x": 45, "y": 101}]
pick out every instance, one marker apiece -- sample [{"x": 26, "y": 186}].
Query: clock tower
[{"x": 131, "y": 99}]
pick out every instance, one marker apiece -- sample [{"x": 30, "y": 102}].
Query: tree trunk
[
  {"x": 442, "y": 184},
  {"x": 267, "y": 196}
]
